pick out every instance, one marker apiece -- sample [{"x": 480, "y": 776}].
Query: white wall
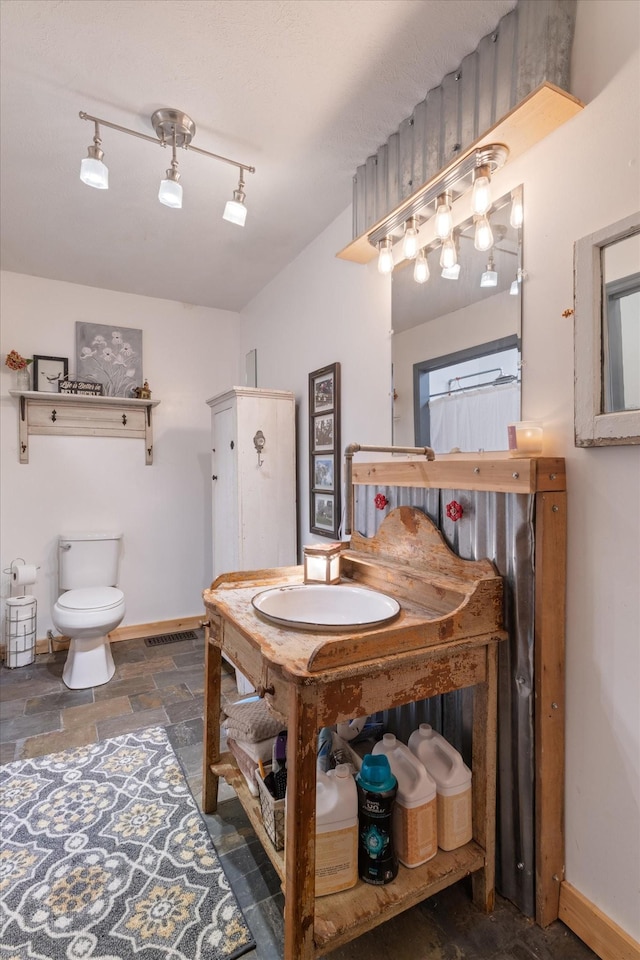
[
  {"x": 318, "y": 311},
  {"x": 578, "y": 180},
  {"x": 87, "y": 483}
]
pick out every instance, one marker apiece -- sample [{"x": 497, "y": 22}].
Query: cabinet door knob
[{"x": 214, "y": 476}]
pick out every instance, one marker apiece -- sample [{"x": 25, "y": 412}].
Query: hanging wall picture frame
[
  {"x": 110, "y": 355},
  {"x": 324, "y": 451}
]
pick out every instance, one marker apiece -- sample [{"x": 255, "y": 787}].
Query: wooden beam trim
[
  {"x": 602, "y": 934},
  {"x": 493, "y": 473}
]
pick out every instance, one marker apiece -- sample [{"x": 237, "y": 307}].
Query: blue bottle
[{"x": 377, "y": 788}]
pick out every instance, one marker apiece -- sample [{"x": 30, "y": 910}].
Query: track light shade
[{"x": 170, "y": 192}]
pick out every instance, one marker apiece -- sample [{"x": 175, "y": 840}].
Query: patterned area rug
[{"x": 105, "y": 856}]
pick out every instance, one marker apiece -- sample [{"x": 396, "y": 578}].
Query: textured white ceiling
[{"x": 304, "y": 90}]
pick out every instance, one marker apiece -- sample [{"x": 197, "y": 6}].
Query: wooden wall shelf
[{"x": 62, "y": 415}]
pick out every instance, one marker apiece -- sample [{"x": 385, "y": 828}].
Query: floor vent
[{"x": 171, "y": 638}]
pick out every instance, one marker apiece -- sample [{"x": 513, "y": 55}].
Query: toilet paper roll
[{"x": 25, "y": 574}]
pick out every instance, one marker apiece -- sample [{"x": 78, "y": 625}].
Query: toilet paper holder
[{"x": 22, "y": 574}]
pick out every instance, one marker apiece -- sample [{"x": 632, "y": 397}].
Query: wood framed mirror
[{"x": 607, "y": 335}]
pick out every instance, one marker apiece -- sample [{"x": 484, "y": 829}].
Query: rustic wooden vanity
[{"x": 445, "y": 638}]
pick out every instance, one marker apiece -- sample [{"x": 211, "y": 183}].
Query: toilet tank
[{"x": 88, "y": 560}]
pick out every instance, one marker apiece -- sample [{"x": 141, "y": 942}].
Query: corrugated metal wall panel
[
  {"x": 418, "y": 173},
  {"x": 498, "y": 526},
  {"x": 506, "y": 66},
  {"x": 468, "y": 99},
  {"x": 530, "y": 45}
]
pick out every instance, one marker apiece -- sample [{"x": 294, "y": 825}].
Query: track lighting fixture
[
  {"x": 235, "y": 210},
  {"x": 490, "y": 277},
  {"x": 170, "y": 192},
  {"x": 93, "y": 171},
  {"x": 385, "y": 256},
  {"x": 451, "y": 273},
  {"x": 421, "y": 267},
  {"x": 174, "y": 128}
]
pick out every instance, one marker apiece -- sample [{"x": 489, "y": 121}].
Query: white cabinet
[{"x": 253, "y": 491}]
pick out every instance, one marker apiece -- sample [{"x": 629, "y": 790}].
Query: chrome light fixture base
[{"x": 168, "y": 121}]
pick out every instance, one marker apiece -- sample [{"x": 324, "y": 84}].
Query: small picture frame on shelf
[
  {"x": 324, "y": 450},
  {"x": 48, "y": 372}
]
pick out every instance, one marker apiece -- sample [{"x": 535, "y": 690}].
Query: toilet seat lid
[{"x": 91, "y": 598}]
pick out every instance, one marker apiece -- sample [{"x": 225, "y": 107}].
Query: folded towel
[
  {"x": 250, "y": 720},
  {"x": 262, "y": 750}
]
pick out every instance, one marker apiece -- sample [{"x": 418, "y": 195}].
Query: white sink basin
[{"x": 319, "y": 607}]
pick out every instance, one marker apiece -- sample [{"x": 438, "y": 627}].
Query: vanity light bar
[{"x": 494, "y": 156}]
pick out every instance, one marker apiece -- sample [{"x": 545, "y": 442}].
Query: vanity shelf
[
  {"x": 67, "y": 415},
  {"x": 445, "y": 639}
]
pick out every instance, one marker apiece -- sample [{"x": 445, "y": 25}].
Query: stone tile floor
[{"x": 164, "y": 685}]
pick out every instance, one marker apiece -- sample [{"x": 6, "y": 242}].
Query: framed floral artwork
[
  {"x": 110, "y": 355},
  {"x": 324, "y": 451}
]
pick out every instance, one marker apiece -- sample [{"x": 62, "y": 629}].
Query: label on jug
[{"x": 377, "y": 861}]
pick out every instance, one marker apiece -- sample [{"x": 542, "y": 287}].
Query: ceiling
[{"x": 304, "y": 90}]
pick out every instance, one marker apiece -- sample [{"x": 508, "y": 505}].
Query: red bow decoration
[
  {"x": 454, "y": 510},
  {"x": 380, "y": 501}
]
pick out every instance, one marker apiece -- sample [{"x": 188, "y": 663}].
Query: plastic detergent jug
[
  {"x": 336, "y": 830},
  {"x": 414, "y": 816},
  {"x": 453, "y": 783},
  {"x": 377, "y": 787}
]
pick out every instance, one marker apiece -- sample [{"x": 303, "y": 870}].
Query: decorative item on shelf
[
  {"x": 21, "y": 366},
  {"x": 48, "y": 372},
  {"x": 322, "y": 563},
  {"x": 143, "y": 392},
  {"x": 380, "y": 501},
  {"x": 80, "y": 388},
  {"x": 454, "y": 510},
  {"x": 110, "y": 355},
  {"x": 525, "y": 438}
]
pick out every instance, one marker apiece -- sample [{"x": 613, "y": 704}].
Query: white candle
[{"x": 525, "y": 438}]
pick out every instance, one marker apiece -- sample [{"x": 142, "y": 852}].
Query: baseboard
[
  {"x": 595, "y": 928},
  {"x": 131, "y": 632}
]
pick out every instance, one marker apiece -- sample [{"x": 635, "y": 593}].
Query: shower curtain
[{"x": 474, "y": 419}]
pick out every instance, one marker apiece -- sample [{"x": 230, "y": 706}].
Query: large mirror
[
  {"x": 456, "y": 341},
  {"x": 607, "y": 335}
]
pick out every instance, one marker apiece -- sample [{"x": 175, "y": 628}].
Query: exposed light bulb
[
  {"x": 421, "y": 268},
  {"x": 385, "y": 256},
  {"x": 483, "y": 239},
  {"x": 444, "y": 218},
  {"x": 448, "y": 254},
  {"x": 410, "y": 241},
  {"x": 516, "y": 217},
  {"x": 481, "y": 196}
]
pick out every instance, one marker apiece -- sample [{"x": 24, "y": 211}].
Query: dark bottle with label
[{"x": 377, "y": 788}]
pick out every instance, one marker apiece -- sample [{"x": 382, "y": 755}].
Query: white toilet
[{"x": 90, "y": 607}]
